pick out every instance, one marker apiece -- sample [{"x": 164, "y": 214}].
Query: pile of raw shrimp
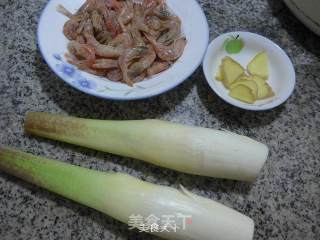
[{"x": 123, "y": 40}]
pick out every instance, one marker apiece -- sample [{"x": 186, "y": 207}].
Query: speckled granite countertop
[{"x": 285, "y": 200}]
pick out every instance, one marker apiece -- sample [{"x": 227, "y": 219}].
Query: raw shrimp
[
  {"x": 80, "y": 39},
  {"x": 103, "y": 50},
  {"x": 123, "y": 40},
  {"x": 168, "y": 53},
  {"x": 161, "y": 10},
  {"x": 154, "y": 23},
  {"x": 88, "y": 28},
  {"x": 115, "y": 75},
  {"x": 173, "y": 24},
  {"x": 127, "y": 57},
  {"x": 97, "y": 22},
  {"x": 104, "y": 37},
  {"x": 149, "y": 4},
  {"x": 95, "y": 4},
  {"x": 141, "y": 11},
  {"x": 126, "y": 15},
  {"x": 136, "y": 36},
  {"x": 114, "y": 4},
  {"x": 140, "y": 77},
  {"x": 81, "y": 26},
  {"x": 70, "y": 29},
  {"x": 139, "y": 18},
  {"x": 105, "y": 64},
  {"x": 112, "y": 24},
  {"x": 81, "y": 51},
  {"x": 84, "y": 65},
  {"x": 158, "y": 67},
  {"x": 141, "y": 65},
  {"x": 83, "y": 8}
]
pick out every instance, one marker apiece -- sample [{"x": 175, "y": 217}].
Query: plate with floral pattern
[{"x": 53, "y": 46}]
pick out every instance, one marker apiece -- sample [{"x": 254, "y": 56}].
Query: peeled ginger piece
[
  {"x": 264, "y": 89},
  {"x": 248, "y": 83},
  {"x": 242, "y": 93},
  {"x": 259, "y": 65},
  {"x": 231, "y": 71}
]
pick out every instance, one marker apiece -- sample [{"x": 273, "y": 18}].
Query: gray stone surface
[{"x": 284, "y": 201}]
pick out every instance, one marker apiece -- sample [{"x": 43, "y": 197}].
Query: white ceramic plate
[
  {"x": 53, "y": 45},
  {"x": 282, "y": 75}
]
